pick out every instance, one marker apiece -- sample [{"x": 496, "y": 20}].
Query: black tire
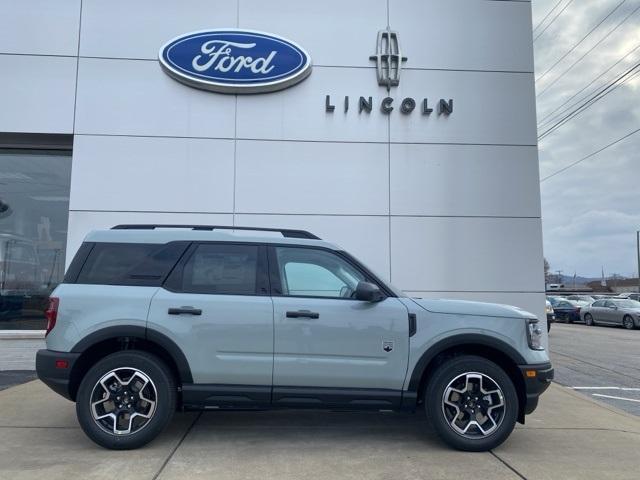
[
  {"x": 548, "y": 325},
  {"x": 628, "y": 323},
  {"x": 443, "y": 376},
  {"x": 162, "y": 382},
  {"x": 588, "y": 320}
]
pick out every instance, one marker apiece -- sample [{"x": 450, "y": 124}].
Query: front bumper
[
  {"x": 551, "y": 317},
  {"x": 537, "y": 379},
  {"x": 51, "y": 370}
]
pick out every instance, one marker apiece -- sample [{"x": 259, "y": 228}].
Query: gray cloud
[{"x": 591, "y": 211}]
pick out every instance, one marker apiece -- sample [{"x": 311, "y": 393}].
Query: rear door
[
  {"x": 610, "y": 312},
  {"x": 216, "y": 306},
  {"x": 331, "y": 349}
]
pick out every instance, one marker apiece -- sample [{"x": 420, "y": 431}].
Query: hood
[{"x": 464, "y": 307}]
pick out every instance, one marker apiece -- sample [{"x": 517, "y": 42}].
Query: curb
[{"x": 22, "y": 334}]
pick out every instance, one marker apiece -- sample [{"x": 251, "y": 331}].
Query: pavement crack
[
  {"x": 504, "y": 462},
  {"x": 173, "y": 451}
]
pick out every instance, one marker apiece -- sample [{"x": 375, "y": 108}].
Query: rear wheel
[
  {"x": 627, "y": 322},
  {"x": 472, "y": 403},
  {"x": 126, "y": 399},
  {"x": 588, "y": 319}
]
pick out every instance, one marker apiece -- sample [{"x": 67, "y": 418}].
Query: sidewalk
[{"x": 568, "y": 437}]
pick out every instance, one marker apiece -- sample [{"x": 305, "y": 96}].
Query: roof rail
[{"x": 287, "y": 233}]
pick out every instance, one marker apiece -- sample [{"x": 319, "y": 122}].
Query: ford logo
[{"x": 235, "y": 61}]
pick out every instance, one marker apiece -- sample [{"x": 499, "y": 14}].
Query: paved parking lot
[
  {"x": 568, "y": 437},
  {"x": 601, "y": 362}
]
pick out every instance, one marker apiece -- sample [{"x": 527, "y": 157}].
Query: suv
[{"x": 155, "y": 318}]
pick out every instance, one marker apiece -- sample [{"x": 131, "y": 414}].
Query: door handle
[
  {"x": 184, "y": 311},
  {"x": 303, "y": 314}
]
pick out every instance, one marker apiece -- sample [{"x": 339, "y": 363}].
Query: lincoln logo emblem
[{"x": 388, "y": 58}]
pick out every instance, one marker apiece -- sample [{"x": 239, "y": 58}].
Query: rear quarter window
[{"x": 141, "y": 264}]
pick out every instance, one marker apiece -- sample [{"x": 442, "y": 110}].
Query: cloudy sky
[{"x": 591, "y": 211}]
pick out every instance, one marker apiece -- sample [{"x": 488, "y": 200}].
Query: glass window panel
[{"x": 34, "y": 211}]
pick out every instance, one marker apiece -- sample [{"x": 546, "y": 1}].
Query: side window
[
  {"x": 598, "y": 303},
  {"x": 109, "y": 263},
  {"x": 609, "y": 304},
  {"x": 134, "y": 264},
  {"x": 316, "y": 273},
  {"x": 221, "y": 269}
]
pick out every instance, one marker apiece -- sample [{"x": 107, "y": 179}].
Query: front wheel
[
  {"x": 588, "y": 319},
  {"x": 126, "y": 399},
  {"x": 472, "y": 403},
  {"x": 627, "y": 322}
]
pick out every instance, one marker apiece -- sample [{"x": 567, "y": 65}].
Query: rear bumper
[
  {"x": 50, "y": 369},
  {"x": 537, "y": 379}
]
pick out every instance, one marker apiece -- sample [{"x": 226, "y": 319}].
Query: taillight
[{"x": 51, "y": 313}]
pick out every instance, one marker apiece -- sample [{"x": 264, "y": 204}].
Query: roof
[{"x": 159, "y": 234}]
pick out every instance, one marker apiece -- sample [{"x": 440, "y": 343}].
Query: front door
[
  {"x": 329, "y": 348},
  {"x": 216, "y": 307}
]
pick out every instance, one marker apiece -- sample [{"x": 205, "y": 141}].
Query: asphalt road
[{"x": 600, "y": 362}]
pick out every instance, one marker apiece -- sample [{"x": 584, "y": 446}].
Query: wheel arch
[
  {"x": 496, "y": 350},
  {"x": 108, "y": 340}
]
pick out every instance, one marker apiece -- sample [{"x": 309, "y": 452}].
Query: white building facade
[{"x": 94, "y": 133}]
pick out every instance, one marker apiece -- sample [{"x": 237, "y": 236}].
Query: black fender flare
[
  {"x": 133, "y": 331},
  {"x": 460, "y": 340}
]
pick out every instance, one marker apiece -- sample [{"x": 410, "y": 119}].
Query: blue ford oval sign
[{"x": 235, "y": 61}]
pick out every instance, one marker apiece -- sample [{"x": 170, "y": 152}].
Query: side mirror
[{"x": 368, "y": 292}]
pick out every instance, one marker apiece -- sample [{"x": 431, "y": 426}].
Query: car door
[
  {"x": 597, "y": 309},
  {"x": 216, "y": 307},
  {"x": 329, "y": 348},
  {"x": 610, "y": 312}
]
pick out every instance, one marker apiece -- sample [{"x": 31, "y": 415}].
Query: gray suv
[{"x": 155, "y": 318}]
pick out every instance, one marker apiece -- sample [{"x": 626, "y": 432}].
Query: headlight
[
  {"x": 549, "y": 309},
  {"x": 534, "y": 334}
]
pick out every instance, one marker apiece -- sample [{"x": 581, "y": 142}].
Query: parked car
[
  {"x": 149, "y": 320},
  {"x": 553, "y": 300},
  {"x": 567, "y": 311},
  {"x": 551, "y": 317},
  {"x": 634, "y": 296},
  {"x": 613, "y": 311},
  {"x": 599, "y": 297}
]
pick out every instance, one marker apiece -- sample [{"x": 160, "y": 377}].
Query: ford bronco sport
[{"x": 154, "y": 318}]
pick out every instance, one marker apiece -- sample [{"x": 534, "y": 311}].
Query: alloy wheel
[
  {"x": 123, "y": 401},
  {"x": 474, "y": 405},
  {"x": 628, "y": 322}
]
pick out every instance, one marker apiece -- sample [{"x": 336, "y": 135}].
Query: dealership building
[{"x": 406, "y": 134}]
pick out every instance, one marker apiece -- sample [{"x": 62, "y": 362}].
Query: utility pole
[
  {"x": 638, "y": 252},
  {"x": 559, "y": 276}
]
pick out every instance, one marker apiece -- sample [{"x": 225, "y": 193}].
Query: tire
[
  {"x": 548, "y": 325},
  {"x": 145, "y": 382},
  {"x": 628, "y": 323},
  {"x": 453, "y": 375},
  {"x": 588, "y": 320}
]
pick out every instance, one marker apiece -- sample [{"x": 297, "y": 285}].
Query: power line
[
  {"x": 564, "y": 169},
  {"x": 588, "y": 51},
  {"x": 588, "y": 100},
  {"x": 612, "y": 86},
  {"x": 581, "y": 40},
  {"x": 553, "y": 20},
  {"x": 542, "y": 121},
  {"x": 547, "y": 15}
]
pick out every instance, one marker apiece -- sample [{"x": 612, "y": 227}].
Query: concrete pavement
[{"x": 569, "y": 436}]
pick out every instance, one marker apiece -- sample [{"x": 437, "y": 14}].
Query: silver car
[{"x": 613, "y": 311}]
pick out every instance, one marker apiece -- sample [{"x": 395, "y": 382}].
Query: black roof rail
[{"x": 286, "y": 232}]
